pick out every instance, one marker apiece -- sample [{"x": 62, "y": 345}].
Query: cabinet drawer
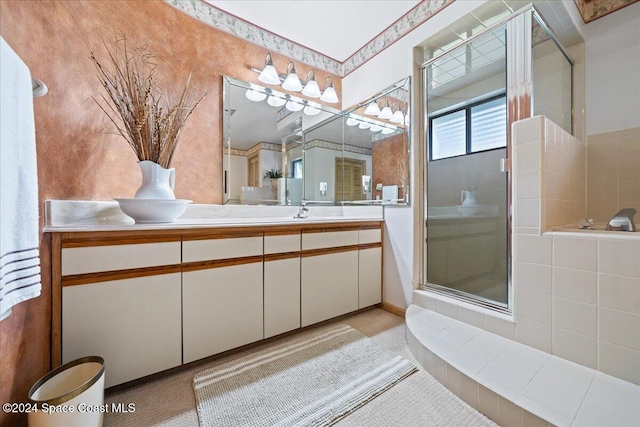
[
  {"x": 204, "y": 250},
  {"x": 369, "y": 236},
  {"x": 281, "y": 244},
  {"x": 330, "y": 239},
  {"x": 118, "y": 257}
]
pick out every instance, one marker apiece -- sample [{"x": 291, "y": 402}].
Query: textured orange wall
[
  {"x": 78, "y": 155},
  {"x": 390, "y": 159}
]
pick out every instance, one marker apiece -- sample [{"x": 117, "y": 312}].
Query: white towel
[{"x": 19, "y": 255}]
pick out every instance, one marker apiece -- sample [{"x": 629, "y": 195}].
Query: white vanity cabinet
[
  {"x": 281, "y": 282},
  {"x": 150, "y": 300},
  {"x": 222, "y": 294},
  {"x": 329, "y": 274},
  {"x": 124, "y": 308}
]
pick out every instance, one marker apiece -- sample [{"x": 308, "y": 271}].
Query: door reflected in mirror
[{"x": 276, "y": 153}]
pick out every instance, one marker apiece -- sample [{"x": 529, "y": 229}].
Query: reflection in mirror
[
  {"x": 281, "y": 150},
  {"x": 377, "y": 130},
  {"x": 262, "y": 133}
]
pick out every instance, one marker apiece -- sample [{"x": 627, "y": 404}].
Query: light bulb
[
  {"x": 375, "y": 128},
  {"x": 398, "y": 117},
  {"x": 269, "y": 75},
  {"x": 386, "y": 112},
  {"x": 276, "y": 101},
  {"x": 352, "y": 121},
  {"x": 364, "y": 125},
  {"x": 292, "y": 82},
  {"x": 372, "y": 109},
  {"x": 294, "y": 104},
  {"x": 312, "y": 109},
  {"x": 255, "y": 96},
  {"x": 311, "y": 89},
  {"x": 387, "y": 130},
  {"x": 329, "y": 95}
]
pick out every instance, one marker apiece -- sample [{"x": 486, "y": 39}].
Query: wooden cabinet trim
[
  {"x": 204, "y": 265},
  {"x": 97, "y": 240},
  {"x": 376, "y": 226},
  {"x": 105, "y": 276},
  {"x": 56, "y": 301},
  {"x": 283, "y": 255},
  {"x": 227, "y": 233},
  {"x": 326, "y": 251},
  {"x": 282, "y": 232},
  {"x": 370, "y": 245}
]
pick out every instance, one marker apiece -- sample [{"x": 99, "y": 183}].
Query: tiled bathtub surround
[{"x": 613, "y": 175}]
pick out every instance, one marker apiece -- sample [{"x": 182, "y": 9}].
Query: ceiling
[{"x": 336, "y": 29}]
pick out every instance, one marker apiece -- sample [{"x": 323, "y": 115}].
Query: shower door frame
[{"x": 519, "y": 92}]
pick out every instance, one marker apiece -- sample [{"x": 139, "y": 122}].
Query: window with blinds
[{"x": 477, "y": 127}]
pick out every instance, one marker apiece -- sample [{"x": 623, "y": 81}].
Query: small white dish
[
  {"x": 153, "y": 211},
  {"x": 469, "y": 210}
]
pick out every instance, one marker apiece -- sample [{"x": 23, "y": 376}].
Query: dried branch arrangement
[{"x": 147, "y": 118}]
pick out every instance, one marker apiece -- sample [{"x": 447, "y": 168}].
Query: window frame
[{"x": 467, "y": 108}]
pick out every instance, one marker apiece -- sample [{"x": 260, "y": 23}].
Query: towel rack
[{"x": 39, "y": 88}]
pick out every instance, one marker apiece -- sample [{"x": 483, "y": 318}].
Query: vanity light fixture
[
  {"x": 311, "y": 89},
  {"x": 386, "y": 112},
  {"x": 292, "y": 81},
  {"x": 312, "y": 108},
  {"x": 269, "y": 75},
  {"x": 329, "y": 94},
  {"x": 397, "y": 117},
  {"x": 372, "y": 109}
]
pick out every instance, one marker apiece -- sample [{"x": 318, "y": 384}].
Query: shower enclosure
[{"x": 474, "y": 89}]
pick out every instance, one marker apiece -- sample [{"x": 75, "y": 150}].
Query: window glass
[
  {"x": 448, "y": 135},
  {"x": 489, "y": 125}
]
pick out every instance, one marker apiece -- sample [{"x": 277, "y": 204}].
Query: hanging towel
[{"x": 19, "y": 255}]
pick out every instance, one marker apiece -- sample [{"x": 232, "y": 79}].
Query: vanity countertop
[{"x": 63, "y": 216}]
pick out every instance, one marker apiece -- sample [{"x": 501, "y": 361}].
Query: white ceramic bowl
[
  {"x": 469, "y": 210},
  {"x": 153, "y": 211}
]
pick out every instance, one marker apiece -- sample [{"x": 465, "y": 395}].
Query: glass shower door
[{"x": 466, "y": 194}]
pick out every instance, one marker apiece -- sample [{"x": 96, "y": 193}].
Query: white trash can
[{"x": 71, "y": 395}]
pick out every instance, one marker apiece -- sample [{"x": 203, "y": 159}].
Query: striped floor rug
[{"x": 312, "y": 379}]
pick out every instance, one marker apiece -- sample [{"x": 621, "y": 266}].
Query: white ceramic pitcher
[
  {"x": 157, "y": 182},
  {"x": 468, "y": 198}
]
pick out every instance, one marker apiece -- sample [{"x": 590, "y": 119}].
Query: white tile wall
[{"x": 593, "y": 280}]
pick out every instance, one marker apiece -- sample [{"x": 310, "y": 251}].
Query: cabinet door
[
  {"x": 222, "y": 309},
  {"x": 281, "y": 296},
  {"x": 369, "y": 277},
  {"x": 134, "y": 324},
  {"x": 329, "y": 286}
]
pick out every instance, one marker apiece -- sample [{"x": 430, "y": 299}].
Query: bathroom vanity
[{"x": 151, "y": 298}]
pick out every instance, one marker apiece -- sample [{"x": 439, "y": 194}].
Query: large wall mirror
[{"x": 280, "y": 150}]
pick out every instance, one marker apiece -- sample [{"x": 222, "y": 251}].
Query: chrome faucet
[
  {"x": 623, "y": 221},
  {"x": 302, "y": 213}
]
